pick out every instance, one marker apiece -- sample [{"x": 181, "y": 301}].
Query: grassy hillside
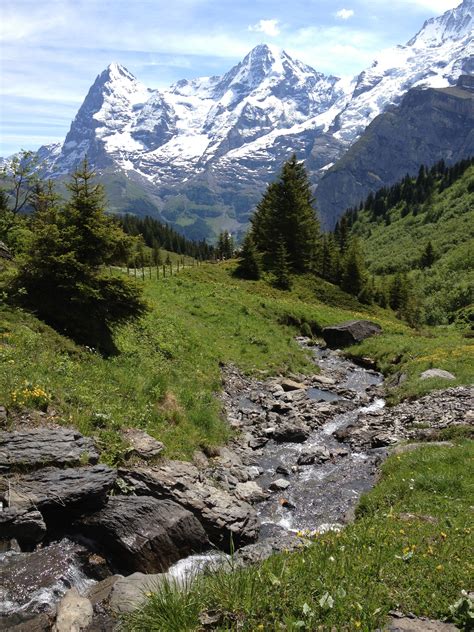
[
  {"x": 394, "y": 242},
  {"x": 167, "y": 374}
]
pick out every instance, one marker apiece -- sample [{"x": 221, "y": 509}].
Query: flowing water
[{"x": 321, "y": 494}]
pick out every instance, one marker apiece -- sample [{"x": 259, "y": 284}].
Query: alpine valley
[{"x": 199, "y": 154}]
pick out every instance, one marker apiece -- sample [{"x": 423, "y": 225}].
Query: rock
[
  {"x": 323, "y": 379},
  {"x": 410, "y": 517},
  {"x": 408, "y": 624},
  {"x": 279, "y": 485},
  {"x": 100, "y": 592},
  {"x": 128, "y": 593},
  {"x": 222, "y": 515},
  {"x": 30, "y": 623},
  {"x": 142, "y": 444},
  {"x": 55, "y": 491},
  {"x": 291, "y": 433},
  {"x": 291, "y": 385},
  {"x": 143, "y": 533},
  {"x": 3, "y": 416},
  {"x": 281, "y": 469},
  {"x": 42, "y": 447},
  {"x": 437, "y": 373},
  {"x": 316, "y": 454},
  {"x": 410, "y": 447},
  {"x": 74, "y": 613},
  {"x": 28, "y": 527},
  {"x": 257, "y": 442},
  {"x": 349, "y": 333},
  {"x": 250, "y": 492}
]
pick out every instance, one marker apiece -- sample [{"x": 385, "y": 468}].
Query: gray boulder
[
  {"x": 316, "y": 454},
  {"x": 43, "y": 447},
  {"x": 222, "y": 515},
  {"x": 74, "y": 613},
  {"x": 142, "y": 444},
  {"x": 143, "y": 533},
  {"x": 349, "y": 333},
  {"x": 291, "y": 433},
  {"x": 434, "y": 373},
  {"x": 54, "y": 491},
  {"x": 28, "y": 527}
]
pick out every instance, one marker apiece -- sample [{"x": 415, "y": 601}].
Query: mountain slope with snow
[{"x": 203, "y": 150}]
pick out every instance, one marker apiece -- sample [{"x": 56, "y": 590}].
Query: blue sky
[{"x": 51, "y": 51}]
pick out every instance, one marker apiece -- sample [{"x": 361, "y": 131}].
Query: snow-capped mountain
[{"x": 206, "y": 147}]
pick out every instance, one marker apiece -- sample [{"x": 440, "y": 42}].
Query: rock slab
[
  {"x": 42, "y": 447},
  {"x": 141, "y": 533},
  {"x": 224, "y": 517}
]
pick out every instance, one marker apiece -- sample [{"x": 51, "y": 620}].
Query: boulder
[
  {"x": 42, "y": 447},
  {"x": 143, "y": 533},
  {"x": 55, "y": 491},
  {"x": 349, "y": 333},
  {"x": 128, "y": 593},
  {"x": 28, "y": 527},
  {"x": 437, "y": 373},
  {"x": 250, "y": 491},
  {"x": 291, "y": 385},
  {"x": 279, "y": 485},
  {"x": 142, "y": 444},
  {"x": 291, "y": 433},
  {"x": 415, "y": 624},
  {"x": 316, "y": 454},
  {"x": 74, "y": 613},
  {"x": 222, "y": 515}
]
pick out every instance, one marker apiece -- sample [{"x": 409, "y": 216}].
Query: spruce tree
[
  {"x": 248, "y": 266},
  {"x": 286, "y": 213},
  {"x": 428, "y": 256},
  {"x": 62, "y": 277}
]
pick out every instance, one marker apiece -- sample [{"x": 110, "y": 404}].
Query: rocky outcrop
[
  {"x": 437, "y": 373},
  {"x": 42, "y": 447},
  {"x": 349, "y": 333},
  {"x": 411, "y": 419},
  {"x": 55, "y": 491},
  {"x": 142, "y": 445},
  {"x": 224, "y": 518},
  {"x": 140, "y": 533}
]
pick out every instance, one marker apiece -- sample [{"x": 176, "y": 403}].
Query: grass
[
  {"x": 166, "y": 378},
  {"x": 350, "y": 580}
]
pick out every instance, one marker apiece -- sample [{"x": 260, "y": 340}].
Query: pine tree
[
  {"x": 286, "y": 213},
  {"x": 248, "y": 266},
  {"x": 62, "y": 277}
]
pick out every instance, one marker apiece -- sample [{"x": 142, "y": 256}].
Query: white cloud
[
  {"x": 344, "y": 14},
  {"x": 269, "y": 27}
]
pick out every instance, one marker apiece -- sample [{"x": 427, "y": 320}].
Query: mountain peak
[{"x": 454, "y": 24}]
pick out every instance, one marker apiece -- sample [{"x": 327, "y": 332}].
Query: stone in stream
[
  {"x": 316, "y": 454},
  {"x": 143, "y": 533},
  {"x": 291, "y": 385},
  {"x": 57, "y": 492},
  {"x": 74, "y": 613},
  {"x": 43, "y": 447},
  {"x": 222, "y": 515},
  {"x": 290, "y": 433},
  {"x": 250, "y": 492},
  {"x": 279, "y": 485},
  {"x": 349, "y": 333},
  {"x": 26, "y": 526}
]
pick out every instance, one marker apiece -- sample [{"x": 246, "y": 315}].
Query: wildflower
[
  {"x": 440, "y": 567},
  {"x": 357, "y": 624},
  {"x": 443, "y": 535},
  {"x": 402, "y": 531}
]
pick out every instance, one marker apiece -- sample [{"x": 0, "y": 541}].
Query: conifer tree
[
  {"x": 62, "y": 277},
  {"x": 428, "y": 256},
  {"x": 248, "y": 266},
  {"x": 353, "y": 269},
  {"x": 286, "y": 213}
]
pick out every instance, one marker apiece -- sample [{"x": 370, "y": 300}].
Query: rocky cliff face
[{"x": 429, "y": 125}]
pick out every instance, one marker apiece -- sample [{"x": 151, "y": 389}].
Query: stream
[{"x": 319, "y": 482}]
